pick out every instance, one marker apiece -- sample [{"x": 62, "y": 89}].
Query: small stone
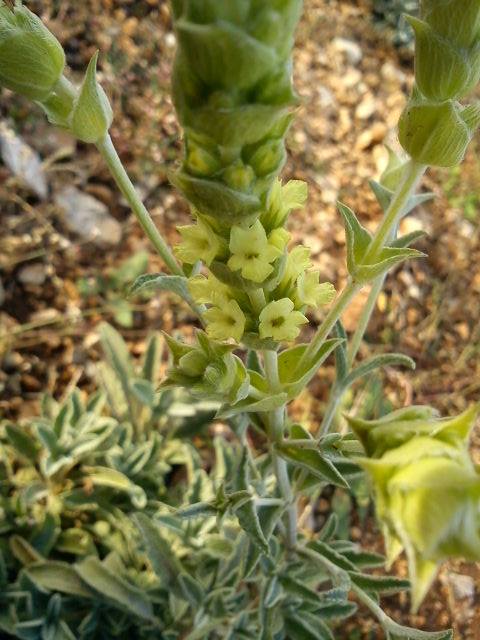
[
  {"x": 23, "y": 162},
  {"x": 87, "y": 217},
  {"x": 366, "y": 108},
  {"x": 350, "y": 49},
  {"x": 33, "y": 274},
  {"x": 463, "y": 587},
  {"x": 392, "y": 74}
]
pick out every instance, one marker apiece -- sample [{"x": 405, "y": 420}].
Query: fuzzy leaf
[
  {"x": 313, "y": 462},
  {"x": 252, "y": 405},
  {"x": 59, "y": 576},
  {"x": 377, "y": 362},
  {"x": 163, "y": 562},
  {"x": 161, "y": 282},
  {"x": 386, "y": 585},
  {"x": 23, "y": 442},
  {"x": 248, "y": 519},
  {"x": 295, "y": 378},
  {"x": 114, "y": 588}
]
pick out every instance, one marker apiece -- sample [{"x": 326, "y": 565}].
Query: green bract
[
  {"x": 427, "y": 488},
  {"x": 31, "y": 58}
]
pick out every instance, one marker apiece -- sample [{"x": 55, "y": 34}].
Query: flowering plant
[{"x": 252, "y": 291}]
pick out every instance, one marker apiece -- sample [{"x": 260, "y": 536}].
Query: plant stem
[
  {"x": 110, "y": 155},
  {"x": 412, "y": 175},
  {"x": 276, "y": 420},
  {"x": 330, "y": 321}
]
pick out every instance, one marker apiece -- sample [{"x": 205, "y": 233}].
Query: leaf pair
[{"x": 359, "y": 240}]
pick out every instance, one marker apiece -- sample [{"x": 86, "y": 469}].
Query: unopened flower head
[
  {"x": 427, "y": 488},
  {"x": 31, "y": 58}
]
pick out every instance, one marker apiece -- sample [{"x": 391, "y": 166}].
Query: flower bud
[
  {"x": 268, "y": 158},
  {"x": 437, "y": 134},
  {"x": 31, "y": 58},
  {"x": 457, "y": 20},
  {"x": 239, "y": 176},
  {"x": 443, "y": 70},
  {"x": 92, "y": 114},
  {"x": 426, "y": 486}
]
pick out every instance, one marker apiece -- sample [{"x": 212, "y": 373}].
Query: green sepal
[
  {"x": 238, "y": 126},
  {"x": 437, "y": 134},
  {"x": 455, "y": 20},
  {"x": 224, "y": 56},
  {"x": 443, "y": 71},
  {"x": 293, "y": 377},
  {"x": 217, "y": 200},
  {"x": 31, "y": 58},
  {"x": 92, "y": 114}
]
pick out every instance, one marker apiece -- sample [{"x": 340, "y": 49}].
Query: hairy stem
[
  {"x": 276, "y": 421},
  {"x": 330, "y": 321},
  {"x": 110, "y": 155},
  {"x": 412, "y": 176}
]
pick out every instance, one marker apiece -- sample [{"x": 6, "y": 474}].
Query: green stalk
[
  {"x": 412, "y": 175},
  {"x": 110, "y": 155},
  {"x": 277, "y": 426}
]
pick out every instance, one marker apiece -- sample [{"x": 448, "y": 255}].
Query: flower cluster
[
  {"x": 435, "y": 128},
  {"x": 427, "y": 488},
  {"x": 234, "y": 97}
]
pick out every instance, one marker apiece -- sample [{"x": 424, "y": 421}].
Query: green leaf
[
  {"x": 23, "y": 551},
  {"x": 59, "y": 576},
  {"x": 192, "y": 590},
  {"x": 114, "y": 588},
  {"x": 295, "y": 378},
  {"x": 252, "y": 405},
  {"x": 384, "y": 197},
  {"x": 388, "y": 258},
  {"x": 358, "y": 238},
  {"x": 152, "y": 358},
  {"x": 248, "y": 519},
  {"x": 197, "y": 510},
  {"x": 377, "y": 362},
  {"x": 341, "y": 355},
  {"x": 300, "y": 627},
  {"x": 312, "y": 461},
  {"x": 161, "y": 282},
  {"x": 159, "y": 553},
  {"x": 117, "y": 356},
  {"x": 107, "y": 477},
  {"x": 23, "y": 442},
  {"x": 386, "y": 585}
]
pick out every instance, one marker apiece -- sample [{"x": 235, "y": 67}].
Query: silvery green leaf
[
  {"x": 386, "y": 585},
  {"x": 106, "y": 477},
  {"x": 248, "y": 519},
  {"x": 164, "y": 563},
  {"x": 341, "y": 356},
  {"x": 408, "y": 239},
  {"x": 161, "y": 282},
  {"x": 358, "y": 238},
  {"x": 114, "y": 588},
  {"x": 197, "y": 510},
  {"x": 23, "y": 441},
  {"x": 23, "y": 551},
  {"x": 152, "y": 358},
  {"x": 143, "y": 391},
  {"x": 384, "y": 197},
  {"x": 295, "y": 378},
  {"x": 76, "y": 541},
  {"x": 253, "y": 405},
  {"x": 377, "y": 362},
  {"x": 192, "y": 590},
  {"x": 117, "y": 356},
  {"x": 299, "y": 626},
  {"x": 204, "y": 629},
  {"x": 313, "y": 462},
  {"x": 329, "y": 529},
  {"x": 399, "y": 632},
  {"x": 59, "y": 576}
]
